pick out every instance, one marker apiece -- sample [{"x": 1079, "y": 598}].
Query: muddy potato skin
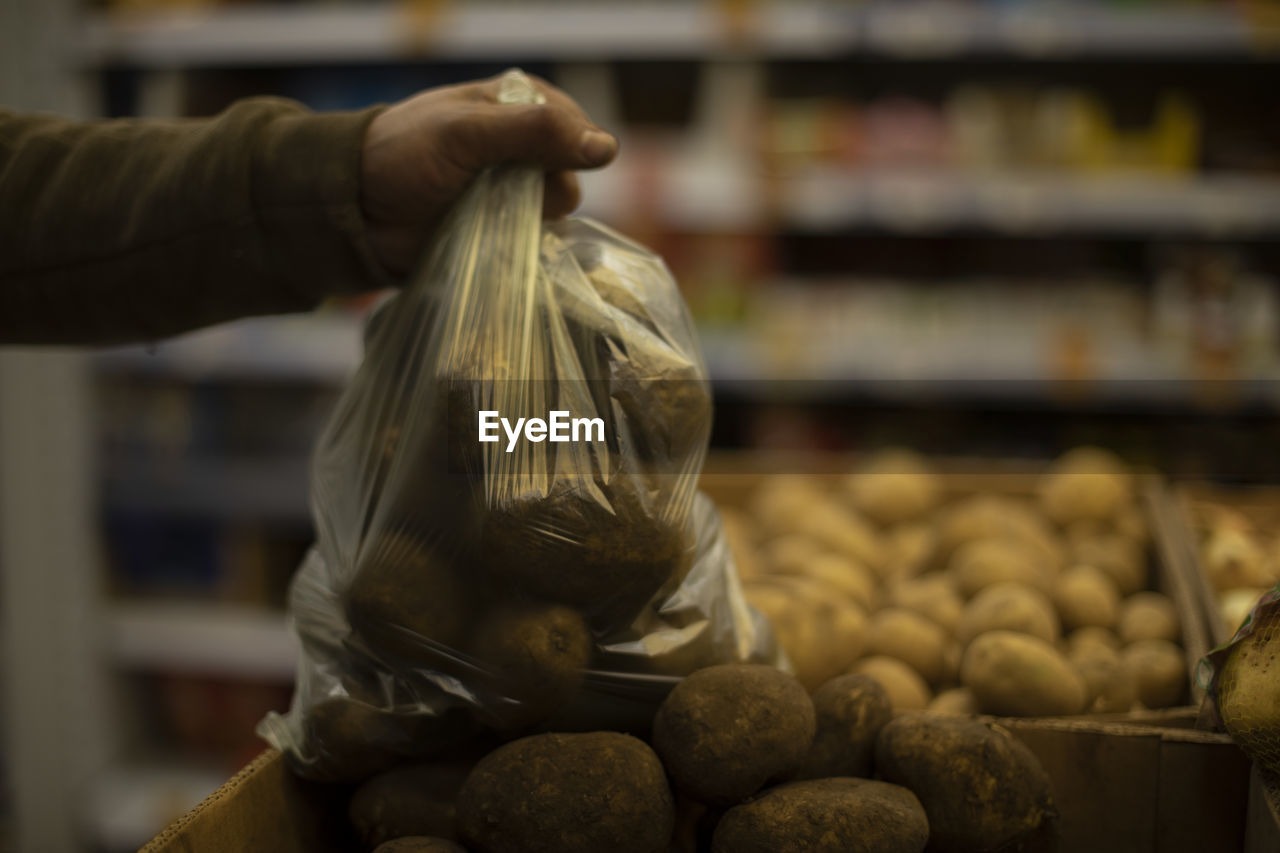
[
  {"x": 981, "y": 788},
  {"x": 535, "y": 652},
  {"x": 567, "y": 793},
  {"x": 850, "y": 710},
  {"x": 725, "y": 731},
  {"x": 1017, "y": 675},
  {"x": 350, "y": 740},
  {"x": 837, "y": 815},
  {"x": 415, "y": 800},
  {"x": 403, "y": 593},
  {"x": 419, "y": 844}
]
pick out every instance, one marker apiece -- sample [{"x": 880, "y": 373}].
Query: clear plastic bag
[{"x": 459, "y": 584}]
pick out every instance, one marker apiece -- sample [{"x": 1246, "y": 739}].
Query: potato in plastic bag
[{"x": 458, "y": 582}]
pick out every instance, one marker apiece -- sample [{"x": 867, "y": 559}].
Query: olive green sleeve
[{"x": 131, "y": 230}]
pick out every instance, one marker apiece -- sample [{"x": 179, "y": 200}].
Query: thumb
[{"x": 553, "y": 136}]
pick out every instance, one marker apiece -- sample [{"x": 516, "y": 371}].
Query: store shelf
[
  {"x": 1004, "y": 368},
  {"x": 317, "y": 346},
  {"x": 823, "y": 199},
  {"x": 279, "y": 34},
  {"x": 259, "y": 489},
  {"x": 127, "y": 805},
  {"x": 207, "y": 639},
  {"x": 1206, "y": 205}
]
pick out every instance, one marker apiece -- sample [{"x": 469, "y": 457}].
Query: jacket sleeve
[{"x": 131, "y": 230}]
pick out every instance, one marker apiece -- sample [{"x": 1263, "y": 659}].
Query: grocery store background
[{"x": 976, "y": 228}]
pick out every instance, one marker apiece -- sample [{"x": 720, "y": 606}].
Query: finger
[
  {"x": 490, "y": 88},
  {"x": 548, "y": 135},
  {"x": 561, "y": 196}
]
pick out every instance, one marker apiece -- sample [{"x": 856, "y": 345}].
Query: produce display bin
[
  {"x": 729, "y": 479},
  {"x": 1147, "y": 786},
  {"x": 1260, "y": 505}
]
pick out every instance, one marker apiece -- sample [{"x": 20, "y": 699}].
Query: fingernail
[{"x": 598, "y": 146}]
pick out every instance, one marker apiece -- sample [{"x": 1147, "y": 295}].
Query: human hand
[{"x": 420, "y": 153}]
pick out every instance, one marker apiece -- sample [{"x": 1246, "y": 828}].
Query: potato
[
  {"x": 845, "y": 532},
  {"x": 988, "y": 516},
  {"x": 912, "y": 639},
  {"x": 907, "y": 690},
  {"x": 850, "y": 711},
  {"x": 1247, "y": 691},
  {"x": 910, "y": 549},
  {"x": 404, "y": 598},
  {"x": 1018, "y": 675},
  {"x": 533, "y": 652},
  {"x": 791, "y": 554},
  {"x": 857, "y": 583},
  {"x": 840, "y": 629},
  {"x": 932, "y": 596},
  {"x": 983, "y": 562},
  {"x": 952, "y": 655},
  {"x": 739, "y": 536},
  {"x": 726, "y": 731},
  {"x": 797, "y": 633},
  {"x": 826, "y": 816},
  {"x": 1159, "y": 672},
  {"x": 417, "y": 799},
  {"x": 1085, "y": 484},
  {"x": 598, "y": 548},
  {"x": 1130, "y": 523},
  {"x": 981, "y": 788},
  {"x": 1234, "y": 558},
  {"x": 782, "y": 500},
  {"x": 1086, "y": 597},
  {"x": 1236, "y": 604},
  {"x": 352, "y": 740},
  {"x": 821, "y": 633},
  {"x": 1121, "y": 559},
  {"x": 1111, "y": 684},
  {"x": 894, "y": 486},
  {"x": 1009, "y": 607},
  {"x": 958, "y": 700},
  {"x": 850, "y": 629},
  {"x": 1093, "y": 635},
  {"x": 1148, "y": 616},
  {"x": 419, "y": 844},
  {"x": 567, "y": 793}
]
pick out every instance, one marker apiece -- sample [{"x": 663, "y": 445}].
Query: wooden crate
[{"x": 1120, "y": 787}]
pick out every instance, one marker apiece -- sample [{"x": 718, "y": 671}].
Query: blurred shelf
[
  {"x": 1005, "y": 372},
  {"x": 320, "y": 347},
  {"x": 824, "y": 199},
  {"x": 208, "y": 639},
  {"x": 129, "y": 804},
  {"x": 261, "y": 489},
  {"x": 1209, "y": 205},
  {"x": 315, "y": 33}
]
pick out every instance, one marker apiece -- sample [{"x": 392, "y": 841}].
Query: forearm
[{"x": 134, "y": 230}]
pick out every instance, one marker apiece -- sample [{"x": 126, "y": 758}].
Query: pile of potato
[
  {"x": 1240, "y": 560},
  {"x": 741, "y": 759},
  {"x": 1000, "y": 603}
]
